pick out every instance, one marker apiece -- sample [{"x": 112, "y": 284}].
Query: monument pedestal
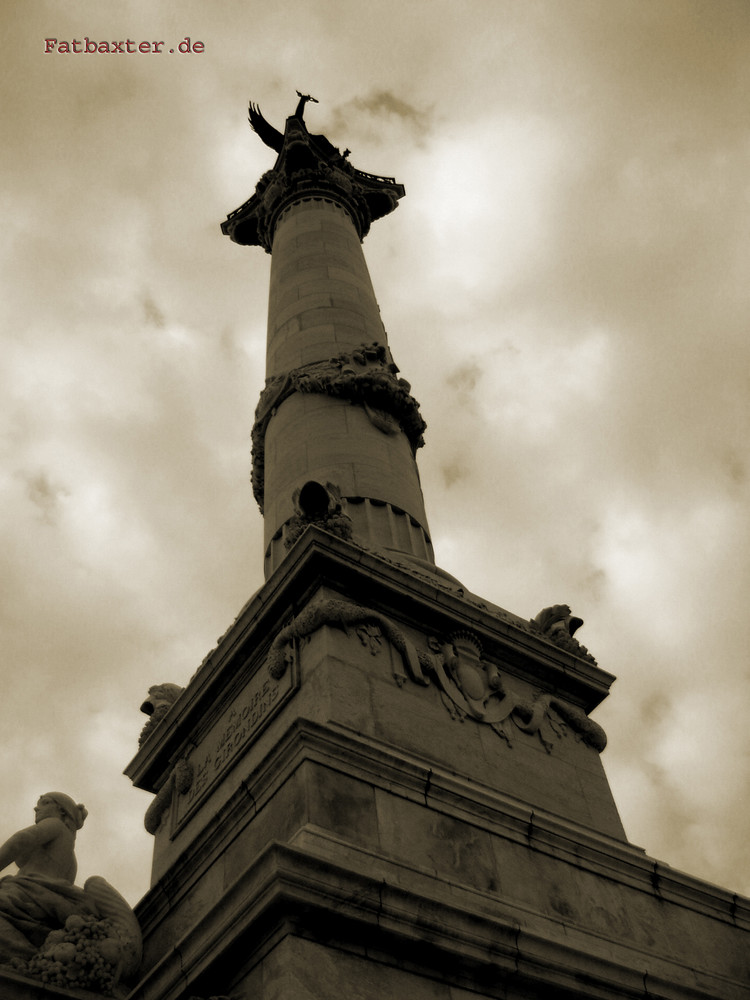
[
  {"x": 16, "y": 987},
  {"x": 337, "y": 819}
]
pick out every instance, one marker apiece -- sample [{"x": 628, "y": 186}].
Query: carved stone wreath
[{"x": 365, "y": 377}]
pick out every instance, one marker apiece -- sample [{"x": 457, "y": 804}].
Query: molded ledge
[
  {"x": 287, "y": 891},
  {"x": 408, "y": 777}
]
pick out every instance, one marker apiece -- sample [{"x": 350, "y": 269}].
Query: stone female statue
[
  {"x": 37, "y": 904},
  {"x": 41, "y": 897}
]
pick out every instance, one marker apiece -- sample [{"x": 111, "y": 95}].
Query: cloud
[
  {"x": 152, "y": 314},
  {"x": 564, "y": 286},
  {"x": 464, "y": 381},
  {"x": 378, "y": 105},
  {"x": 44, "y": 495}
]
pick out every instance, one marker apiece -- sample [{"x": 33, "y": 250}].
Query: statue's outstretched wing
[{"x": 271, "y": 136}]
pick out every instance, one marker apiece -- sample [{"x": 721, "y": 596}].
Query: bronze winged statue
[
  {"x": 270, "y": 135},
  {"x": 303, "y": 99},
  {"x": 307, "y": 163}
]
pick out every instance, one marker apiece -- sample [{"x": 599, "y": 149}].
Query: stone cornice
[
  {"x": 310, "y": 167},
  {"x": 450, "y": 794}
]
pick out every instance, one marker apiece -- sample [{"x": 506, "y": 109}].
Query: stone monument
[{"x": 379, "y": 785}]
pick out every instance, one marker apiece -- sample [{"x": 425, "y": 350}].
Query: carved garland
[
  {"x": 387, "y": 400},
  {"x": 345, "y": 615},
  {"x": 469, "y": 686}
]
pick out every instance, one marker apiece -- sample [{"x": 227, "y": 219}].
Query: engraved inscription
[{"x": 233, "y": 732}]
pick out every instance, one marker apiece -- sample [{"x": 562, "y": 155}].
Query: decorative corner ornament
[
  {"x": 558, "y": 626},
  {"x": 315, "y": 504},
  {"x": 160, "y": 699}
]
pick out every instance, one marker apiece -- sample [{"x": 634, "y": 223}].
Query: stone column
[{"x": 336, "y": 429}]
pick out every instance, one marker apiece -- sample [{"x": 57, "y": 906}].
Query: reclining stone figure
[{"x": 44, "y": 915}]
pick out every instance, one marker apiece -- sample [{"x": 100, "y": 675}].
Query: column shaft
[{"x": 325, "y": 334}]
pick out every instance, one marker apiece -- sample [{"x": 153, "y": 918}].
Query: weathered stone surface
[
  {"x": 16, "y": 987},
  {"x": 378, "y": 785},
  {"x": 339, "y": 443},
  {"x": 411, "y": 926},
  {"x": 366, "y": 821},
  {"x": 313, "y": 210}
]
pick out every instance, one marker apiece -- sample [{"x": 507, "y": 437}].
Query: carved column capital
[{"x": 309, "y": 166}]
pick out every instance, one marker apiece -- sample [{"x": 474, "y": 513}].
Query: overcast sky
[{"x": 565, "y": 285}]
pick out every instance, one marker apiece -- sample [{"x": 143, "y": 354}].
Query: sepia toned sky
[{"x": 565, "y": 285}]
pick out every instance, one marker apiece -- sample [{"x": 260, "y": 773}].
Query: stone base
[
  {"x": 15, "y": 987},
  {"x": 349, "y": 832},
  {"x": 347, "y": 876}
]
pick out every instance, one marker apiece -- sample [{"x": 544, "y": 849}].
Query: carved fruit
[
  {"x": 110, "y": 950},
  {"x": 75, "y": 923},
  {"x": 64, "y": 952}
]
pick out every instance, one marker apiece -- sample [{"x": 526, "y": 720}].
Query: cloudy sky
[{"x": 564, "y": 285}]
